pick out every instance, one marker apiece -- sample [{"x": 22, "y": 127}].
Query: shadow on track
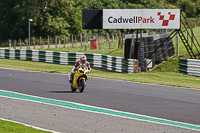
[{"x": 61, "y": 92}]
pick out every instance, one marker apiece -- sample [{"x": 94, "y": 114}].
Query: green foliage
[
  {"x": 103, "y": 4},
  {"x": 55, "y": 19},
  {"x": 64, "y": 17},
  {"x": 14, "y": 17},
  {"x": 188, "y": 6}
]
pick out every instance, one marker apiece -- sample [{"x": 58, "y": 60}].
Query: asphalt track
[{"x": 173, "y": 103}]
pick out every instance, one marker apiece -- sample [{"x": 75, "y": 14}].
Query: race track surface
[{"x": 172, "y": 103}]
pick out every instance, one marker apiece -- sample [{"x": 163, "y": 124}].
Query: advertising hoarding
[{"x": 141, "y": 18}]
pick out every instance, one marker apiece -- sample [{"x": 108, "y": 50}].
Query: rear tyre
[
  {"x": 73, "y": 89},
  {"x": 82, "y": 85}
]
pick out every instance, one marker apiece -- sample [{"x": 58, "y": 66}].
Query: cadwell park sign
[
  {"x": 141, "y": 18},
  {"x": 143, "y": 46}
]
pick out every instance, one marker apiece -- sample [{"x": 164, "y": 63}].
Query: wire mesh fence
[
  {"x": 82, "y": 41},
  {"x": 74, "y": 41}
]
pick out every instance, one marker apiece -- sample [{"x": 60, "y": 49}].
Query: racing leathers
[{"x": 75, "y": 66}]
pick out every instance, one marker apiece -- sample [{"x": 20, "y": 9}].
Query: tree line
[{"x": 64, "y": 17}]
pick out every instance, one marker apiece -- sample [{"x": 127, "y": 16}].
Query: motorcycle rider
[{"x": 83, "y": 60}]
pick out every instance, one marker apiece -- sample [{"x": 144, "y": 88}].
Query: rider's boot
[{"x": 71, "y": 78}]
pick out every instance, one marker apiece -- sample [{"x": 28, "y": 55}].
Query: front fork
[{"x": 81, "y": 80}]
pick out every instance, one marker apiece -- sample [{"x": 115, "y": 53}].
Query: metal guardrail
[
  {"x": 189, "y": 66},
  {"x": 111, "y": 63}
]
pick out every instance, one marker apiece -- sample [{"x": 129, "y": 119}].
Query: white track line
[{"x": 102, "y": 112}]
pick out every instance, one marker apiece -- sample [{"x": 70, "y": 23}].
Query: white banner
[{"x": 141, "y": 18}]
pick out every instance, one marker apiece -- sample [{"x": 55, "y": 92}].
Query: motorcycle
[{"x": 81, "y": 75}]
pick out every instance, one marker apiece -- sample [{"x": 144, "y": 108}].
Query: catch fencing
[
  {"x": 189, "y": 66},
  {"x": 105, "y": 62}
]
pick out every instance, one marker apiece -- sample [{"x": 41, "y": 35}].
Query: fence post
[
  {"x": 15, "y": 45},
  {"x": 75, "y": 40},
  {"x": 81, "y": 41},
  {"x": 101, "y": 39},
  {"x": 72, "y": 42},
  {"x": 37, "y": 44},
  {"x": 40, "y": 42},
  {"x": 85, "y": 41},
  {"x": 90, "y": 41},
  {"x": 108, "y": 39},
  {"x": 177, "y": 44},
  {"x": 34, "y": 42},
  {"x": 9, "y": 43},
  {"x": 98, "y": 42},
  {"x": 64, "y": 41},
  {"x": 123, "y": 40},
  {"x": 26, "y": 43},
  {"x": 120, "y": 43},
  {"x": 56, "y": 42},
  {"x": 59, "y": 43},
  {"x": 20, "y": 43},
  {"x": 48, "y": 42},
  {"x": 43, "y": 40}
]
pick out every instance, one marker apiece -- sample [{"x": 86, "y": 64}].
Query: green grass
[
  {"x": 153, "y": 77},
  {"x": 10, "y": 127},
  {"x": 171, "y": 65},
  {"x": 182, "y": 49}
]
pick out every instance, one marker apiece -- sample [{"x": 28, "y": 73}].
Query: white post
[
  {"x": 85, "y": 41},
  {"x": 177, "y": 44},
  {"x": 29, "y": 34},
  {"x": 59, "y": 43}
]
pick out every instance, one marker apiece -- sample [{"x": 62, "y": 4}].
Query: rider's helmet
[{"x": 83, "y": 59}]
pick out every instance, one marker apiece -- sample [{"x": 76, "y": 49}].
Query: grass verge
[
  {"x": 11, "y": 127},
  {"x": 153, "y": 77}
]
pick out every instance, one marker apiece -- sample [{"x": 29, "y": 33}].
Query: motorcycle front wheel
[
  {"x": 82, "y": 85},
  {"x": 72, "y": 88}
]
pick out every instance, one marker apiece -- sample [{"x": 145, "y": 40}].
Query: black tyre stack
[
  {"x": 146, "y": 51},
  {"x": 152, "y": 49},
  {"x": 171, "y": 49},
  {"x": 158, "y": 52},
  {"x": 150, "y": 43}
]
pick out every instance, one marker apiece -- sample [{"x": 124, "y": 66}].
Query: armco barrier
[
  {"x": 189, "y": 66},
  {"x": 111, "y": 63}
]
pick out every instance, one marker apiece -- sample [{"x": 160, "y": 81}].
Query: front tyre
[
  {"x": 82, "y": 85},
  {"x": 73, "y": 89}
]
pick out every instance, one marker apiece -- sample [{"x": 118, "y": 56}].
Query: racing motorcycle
[{"x": 81, "y": 75}]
